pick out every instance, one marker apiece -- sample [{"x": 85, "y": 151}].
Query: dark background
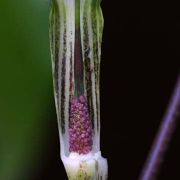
[{"x": 140, "y": 64}]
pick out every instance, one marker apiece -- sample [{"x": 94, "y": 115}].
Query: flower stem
[{"x": 163, "y": 137}]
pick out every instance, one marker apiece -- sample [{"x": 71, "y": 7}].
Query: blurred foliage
[{"x": 26, "y": 95}]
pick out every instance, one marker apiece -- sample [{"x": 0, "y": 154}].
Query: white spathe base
[{"x": 91, "y": 166}]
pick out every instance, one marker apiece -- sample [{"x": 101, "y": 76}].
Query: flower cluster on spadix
[{"x": 80, "y": 126}]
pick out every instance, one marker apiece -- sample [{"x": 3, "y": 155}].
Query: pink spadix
[{"x": 80, "y": 126}]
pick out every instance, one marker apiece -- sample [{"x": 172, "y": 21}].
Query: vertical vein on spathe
[
  {"x": 92, "y": 72},
  {"x": 91, "y": 57}
]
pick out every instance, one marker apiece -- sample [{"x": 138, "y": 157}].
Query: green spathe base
[{"x": 86, "y": 167}]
